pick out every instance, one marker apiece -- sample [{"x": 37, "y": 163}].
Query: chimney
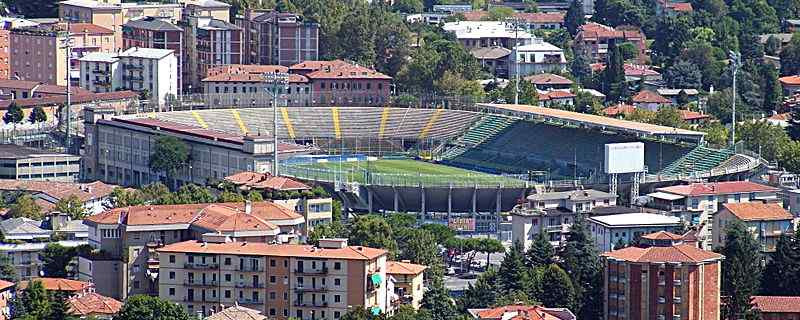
[{"x": 248, "y": 206}]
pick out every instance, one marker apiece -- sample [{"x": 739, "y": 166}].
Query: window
[
  {"x": 337, "y": 282},
  {"x": 271, "y": 279},
  {"x": 172, "y": 275},
  {"x": 171, "y": 291},
  {"x": 337, "y": 298},
  {"x": 271, "y": 262},
  {"x": 228, "y": 277},
  {"x": 136, "y": 284},
  {"x": 272, "y": 295},
  {"x": 337, "y": 266},
  {"x": 336, "y": 314},
  {"x": 227, "y": 294},
  {"x": 227, "y": 261},
  {"x": 272, "y": 312}
]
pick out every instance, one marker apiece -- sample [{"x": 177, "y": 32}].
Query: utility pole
[
  {"x": 735, "y": 63},
  {"x": 276, "y": 79},
  {"x": 67, "y": 43}
]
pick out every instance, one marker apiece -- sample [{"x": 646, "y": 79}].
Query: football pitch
[{"x": 403, "y": 172}]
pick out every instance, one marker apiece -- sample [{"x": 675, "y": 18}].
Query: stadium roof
[{"x": 592, "y": 120}]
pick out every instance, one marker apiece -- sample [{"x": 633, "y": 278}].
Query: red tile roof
[
  {"x": 631, "y": 70},
  {"x": 88, "y": 28},
  {"x": 222, "y": 218},
  {"x": 76, "y": 99},
  {"x": 541, "y": 17},
  {"x": 293, "y": 78},
  {"x": 680, "y": 6},
  {"x": 757, "y": 211},
  {"x": 596, "y": 31},
  {"x": 688, "y": 115},
  {"x": 681, "y": 253},
  {"x": 619, "y": 109},
  {"x": 247, "y": 73},
  {"x": 647, "y": 96},
  {"x": 58, "y": 284},
  {"x": 275, "y": 250},
  {"x": 555, "y": 94},
  {"x": 523, "y": 312},
  {"x": 337, "y": 69},
  {"x": 776, "y": 304},
  {"x": 5, "y": 284},
  {"x": 93, "y": 304},
  {"x": 265, "y": 181},
  {"x": 59, "y": 190},
  {"x": 662, "y": 235},
  {"x": 18, "y": 84},
  {"x": 790, "y": 80},
  {"x": 786, "y": 116},
  {"x": 402, "y": 267},
  {"x": 548, "y": 79},
  {"x": 717, "y": 188}
]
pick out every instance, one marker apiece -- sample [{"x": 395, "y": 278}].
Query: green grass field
[{"x": 400, "y": 172}]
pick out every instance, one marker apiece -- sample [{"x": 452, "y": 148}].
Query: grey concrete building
[{"x": 24, "y": 163}]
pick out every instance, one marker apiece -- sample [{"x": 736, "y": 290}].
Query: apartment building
[
  {"x": 662, "y": 280},
  {"x": 247, "y": 83},
  {"x": 6, "y": 24},
  {"x": 26, "y": 256},
  {"x": 206, "y": 8},
  {"x": 342, "y": 83},
  {"x": 100, "y": 72},
  {"x": 696, "y": 203},
  {"x": 481, "y": 34},
  {"x": 25, "y": 163},
  {"x": 537, "y": 57},
  {"x": 94, "y": 195},
  {"x": 408, "y": 279},
  {"x": 627, "y": 228},
  {"x": 777, "y": 307},
  {"x": 278, "y": 38},
  {"x": 595, "y": 38},
  {"x": 125, "y": 262},
  {"x": 94, "y": 306},
  {"x": 154, "y": 71},
  {"x": 554, "y": 213},
  {"x": 7, "y": 293},
  {"x": 522, "y": 312},
  {"x": 37, "y": 55},
  {"x": 766, "y": 221},
  {"x": 156, "y": 33},
  {"x": 210, "y": 42},
  {"x": 281, "y": 281}
]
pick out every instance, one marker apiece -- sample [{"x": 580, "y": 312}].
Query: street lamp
[
  {"x": 276, "y": 79},
  {"x": 736, "y": 62}
]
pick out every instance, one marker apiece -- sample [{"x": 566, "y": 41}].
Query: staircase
[{"x": 484, "y": 129}]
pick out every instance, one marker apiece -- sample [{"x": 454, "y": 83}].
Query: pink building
[
  {"x": 278, "y": 38},
  {"x": 595, "y": 38},
  {"x": 341, "y": 83}
]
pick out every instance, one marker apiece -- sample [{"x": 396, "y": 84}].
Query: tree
[
  {"x": 142, "y": 307},
  {"x": 227, "y": 196},
  {"x": 192, "y": 193},
  {"x": 60, "y": 307},
  {"x": 452, "y": 84},
  {"x": 121, "y": 197},
  {"x": 169, "y": 155},
  {"x": 790, "y": 57},
  {"x": 482, "y": 294},
  {"x": 334, "y": 229},
  {"x": 559, "y": 293},
  {"x": 670, "y": 117},
  {"x": 421, "y": 248},
  {"x": 672, "y": 34},
  {"x": 782, "y": 274},
  {"x": 374, "y": 232},
  {"x": 488, "y": 246},
  {"x": 789, "y": 156},
  {"x": 408, "y": 6},
  {"x": 619, "y": 12},
  {"x": 156, "y": 193},
  {"x": 580, "y": 67},
  {"x": 499, "y": 13},
  {"x": 579, "y": 258},
  {"x": 13, "y": 114},
  {"x": 356, "y": 37},
  {"x": 37, "y": 115},
  {"x": 716, "y": 134},
  {"x": 772, "y": 46},
  {"x": 7, "y": 270},
  {"x": 741, "y": 270},
  {"x": 25, "y": 207},
  {"x": 513, "y": 272},
  {"x": 55, "y": 260},
  {"x": 614, "y": 76},
  {"x": 541, "y": 253},
  {"x": 762, "y": 137},
  {"x": 773, "y": 94},
  {"x": 357, "y": 313},
  {"x": 32, "y": 303},
  {"x": 255, "y": 196},
  {"x": 527, "y": 92},
  {"x": 437, "y": 303},
  {"x": 73, "y": 206},
  {"x": 719, "y": 105},
  {"x": 575, "y": 17},
  {"x": 628, "y": 51},
  {"x": 684, "y": 75}
]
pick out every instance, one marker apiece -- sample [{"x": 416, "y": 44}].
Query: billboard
[
  {"x": 624, "y": 157},
  {"x": 462, "y": 224}
]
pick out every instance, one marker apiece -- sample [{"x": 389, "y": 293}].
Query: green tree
[
  {"x": 716, "y": 134},
  {"x": 156, "y": 193},
  {"x": 488, "y": 246},
  {"x": 741, "y": 270},
  {"x": 719, "y": 105},
  {"x": 37, "y": 115},
  {"x": 580, "y": 68},
  {"x": 579, "y": 258},
  {"x": 440, "y": 232},
  {"x": 789, "y": 156},
  {"x": 421, "y": 248},
  {"x": 628, "y": 51},
  {"x": 227, "y": 196},
  {"x": 169, "y": 155},
  {"x": 32, "y": 303},
  {"x": 670, "y": 117},
  {"x": 499, "y": 13},
  {"x": 356, "y": 37},
  {"x": 790, "y": 57},
  {"x": 772, "y": 46},
  {"x": 527, "y": 92},
  {"x": 357, "y": 313},
  {"x": 55, "y": 260},
  {"x": 615, "y": 86},
  {"x": 408, "y": 6},
  {"x": 575, "y": 17},
  {"x": 619, "y": 12},
  {"x": 60, "y": 307},
  {"x": 142, "y": 307},
  {"x": 684, "y": 75},
  {"x": 13, "y": 114},
  {"x": 482, "y": 294},
  {"x": 762, "y": 137},
  {"x": 192, "y": 193},
  {"x": 541, "y": 253},
  {"x": 560, "y": 292},
  {"x": 120, "y": 197},
  {"x": 782, "y": 273},
  {"x": 773, "y": 94},
  {"x": 373, "y": 231},
  {"x": 73, "y": 206},
  {"x": 334, "y": 229},
  {"x": 25, "y": 207},
  {"x": 513, "y": 273},
  {"x": 254, "y": 196},
  {"x": 436, "y": 302},
  {"x": 7, "y": 270},
  {"x": 392, "y": 43},
  {"x": 672, "y": 34},
  {"x": 452, "y": 84}
]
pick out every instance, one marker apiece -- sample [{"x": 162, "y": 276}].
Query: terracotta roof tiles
[
  {"x": 401, "y": 267},
  {"x": 717, "y": 188},
  {"x": 277, "y": 250},
  {"x": 757, "y": 211},
  {"x": 58, "y": 284},
  {"x": 58, "y": 190},
  {"x": 548, "y": 79},
  {"x": 776, "y": 304},
  {"x": 93, "y": 304},
  {"x": 790, "y": 80},
  {"x": 647, "y": 96},
  {"x": 619, "y": 109},
  {"x": 88, "y": 28},
  {"x": 662, "y": 235},
  {"x": 681, "y": 253}
]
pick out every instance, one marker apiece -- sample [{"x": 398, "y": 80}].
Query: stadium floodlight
[
  {"x": 67, "y": 43},
  {"x": 736, "y": 62},
  {"x": 276, "y": 79}
]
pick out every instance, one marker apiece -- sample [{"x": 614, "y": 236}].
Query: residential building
[
  {"x": 157, "y": 33},
  {"x": 71, "y": 287},
  {"x": 26, "y": 256},
  {"x": 595, "y": 38},
  {"x": 281, "y": 281},
  {"x": 94, "y": 305},
  {"x": 662, "y": 280},
  {"x": 22, "y": 89},
  {"x": 343, "y": 83},
  {"x": 674, "y": 95},
  {"x": 790, "y": 84},
  {"x": 481, "y": 34},
  {"x": 154, "y": 71},
  {"x": 537, "y": 57},
  {"x": 244, "y": 83},
  {"x": 237, "y": 312},
  {"x": 37, "y": 55},
  {"x": 608, "y": 231},
  {"x": 649, "y": 100},
  {"x": 554, "y": 213},
  {"x": 522, "y": 312},
  {"x": 667, "y": 7},
  {"x": 24, "y": 229},
  {"x": 119, "y": 101},
  {"x": 274, "y": 38},
  {"x": 493, "y": 59},
  {"x": 87, "y": 38},
  {"x": 125, "y": 262},
  {"x": 6, "y": 24},
  {"x": 776, "y": 307},
  {"x": 108, "y": 158},
  {"x": 531, "y": 20},
  {"x": 634, "y": 73},
  {"x": 694, "y": 117},
  {"x": 696, "y": 203},
  {"x": 206, "y": 8},
  {"x": 408, "y": 281},
  {"x": 557, "y": 98},
  {"x": 7, "y": 294},
  {"x": 209, "y": 43},
  {"x": 47, "y": 193},
  {"x": 549, "y": 81},
  {"x": 100, "y": 72},
  {"x": 766, "y": 221},
  {"x": 25, "y": 163},
  {"x": 619, "y": 110}
]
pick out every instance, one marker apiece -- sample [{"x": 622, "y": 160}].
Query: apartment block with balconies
[
  {"x": 281, "y": 281},
  {"x": 766, "y": 222},
  {"x": 278, "y": 38},
  {"x": 100, "y": 72}
]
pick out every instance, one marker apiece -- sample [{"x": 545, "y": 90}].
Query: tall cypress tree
[
  {"x": 513, "y": 273},
  {"x": 741, "y": 270},
  {"x": 560, "y": 293},
  {"x": 482, "y": 294},
  {"x": 581, "y": 261},
  {"x": 614, "y": 75},
  {"x": 782, "y": 274},
  {"x": 575, "y": 17},
  {"x": 540, "y": 253},
  {"x": 437, "y": 303}
]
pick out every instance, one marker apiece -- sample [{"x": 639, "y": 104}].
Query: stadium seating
[{"x": 698, "y": 160}]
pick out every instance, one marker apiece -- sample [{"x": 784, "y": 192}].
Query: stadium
[{"x": 481, "y": 159}]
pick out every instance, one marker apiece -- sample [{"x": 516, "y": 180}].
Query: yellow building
[{"x": 408, "y": 282}]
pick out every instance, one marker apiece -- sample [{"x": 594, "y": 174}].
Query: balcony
[
  {"x": 201, "y": 266},
  {"x": 311, "y": 304},
  {"x": 102, "y": 83},
  {"x": 199, "y": 283},
  {"x": 132, "y": 78},
  {"x": 249, "y": 285},
  {"x": 324, "y": 270},
  {"x": 301, "y": 288},
  {"x": 131, "y": 66},
  {"x": 677, "y": 282},
  {"x": 249, "y": 301},
  {"x": 676, "y": 300},
  {"x": 250, "y": 268},
  {"x": 662, "y": 300},
  {"x": 562, "y": 228},
  {"x": 100, "y": 71}
]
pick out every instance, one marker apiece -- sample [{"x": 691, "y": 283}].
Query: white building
[
  {"x": 479, "y": 34},
  {"x": 100, "y": 72},
  {"x": 628, "y": 227},
  {"x": 537, "y": 57},
  {"x": 153, "y": 70}
]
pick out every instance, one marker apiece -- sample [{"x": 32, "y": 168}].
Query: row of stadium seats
[
  {"x": 698, "y": 160},
  {"x": 483, "y": 129}
]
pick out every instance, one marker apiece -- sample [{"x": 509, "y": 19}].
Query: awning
[
  {"x": 376, "y": 279},
  {"x": 665, "y": 196},
  {"x": 376, "y": 310}
]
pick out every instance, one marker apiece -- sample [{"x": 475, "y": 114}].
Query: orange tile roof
[
  {"x": 717, "y": 188},
  {"x": 688, "y": 115},
  {"x": 234, "y": 77},
  {"x": 619, "y": 109},
  {"x": 555, "y": 94},
  {"x": 93, "y": 304},
  {"x": 594, "y": 30},
  {"x": 662, "y": 235},
  {"x": 647, "y": 96},
  {"x": 524, "y": 312},
  {"x": 786, "y": 116},
  {"x": 681, "y": 253},
  {"x": 58, "y": 284},
  {"x": 790, "y": 80},
  {"x": 5, "y": 284},
  {"x": 59, "y": 190},
  {"x": 265, "y": 181},
  {"x": 776, "y": 304},
  {"x": 227, "y": 219},
  {"x": 548, "y": 78},
  {"x": 88, "y": 28},
  {"x": 541, "y": 17},
  {"x": 275, "y": 250},
  {"x": 402, "y": 267},
  {"x": 337, "y": 69},
  {"x": 246, "y": 177},
  {"x": 680, "y": 6},
  {"x": 237, "y": 313},
  {"x": 757, "y": 211}
]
